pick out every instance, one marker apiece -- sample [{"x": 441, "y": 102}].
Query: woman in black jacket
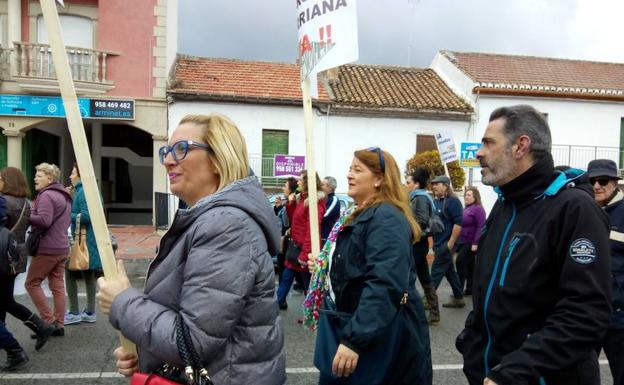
[{"x": 372, "y": 327}]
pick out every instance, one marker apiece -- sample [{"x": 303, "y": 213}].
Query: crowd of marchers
[{"x": 544, "y": 270}]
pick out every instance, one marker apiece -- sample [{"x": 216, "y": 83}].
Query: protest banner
[
  {"x": 446, "y": 149},
  {"x": 327, "y": 38},
  {"x": 81, "y": 147}
]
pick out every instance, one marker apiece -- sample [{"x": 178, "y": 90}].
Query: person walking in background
[
  {"x": 51, "y": 212},
  {"x": 422, "y": 208},
  {"x": 80, "y": 212},
  {"x": 449, "y": 209},
  {"x": 16, "y": 356},
  {"x": 603, "y": 176},
  {"x": 541, "y": 294},
  {"x": 15, "y": 191},
  {"x": 299, "y": 215},
  {"x": 372, "y": 327},
  {"x": 213, "y": 270},
  {"x": 277, "y": 206},
  {"x": 472, "y": 222},
  {"x": 289, "y": 187},
  {"x": 332, "y": 206}
]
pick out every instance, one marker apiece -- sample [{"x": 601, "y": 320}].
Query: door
[{"x": 273, "y": 142}]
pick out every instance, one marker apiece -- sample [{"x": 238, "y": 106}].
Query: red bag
[{"x": 150, "y": 379}]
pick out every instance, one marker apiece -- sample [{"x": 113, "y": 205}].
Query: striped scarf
[{"x": 318, "y": 283}]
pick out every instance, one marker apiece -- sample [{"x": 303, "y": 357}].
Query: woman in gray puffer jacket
[{"x": 213, "y": 267}]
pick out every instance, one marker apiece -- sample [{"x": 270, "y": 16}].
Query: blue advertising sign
[
  {"x": 52, "y": 106},
  {"x": 468, "y": 154}
]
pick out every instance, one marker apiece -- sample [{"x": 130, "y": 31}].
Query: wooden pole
[
  {"x": 81, "y": 147},
  {"x": 308, "y": 120}
]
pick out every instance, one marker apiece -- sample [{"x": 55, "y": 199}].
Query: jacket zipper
[
  {"x": 512, "y": 246},
  {"x": 491, "y": 286}
]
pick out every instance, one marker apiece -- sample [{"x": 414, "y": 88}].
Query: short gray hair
[
  {"x": 51, "y": 170},
  {"x": 526, "y": 120},
  {"x": 331, "y": 181}
]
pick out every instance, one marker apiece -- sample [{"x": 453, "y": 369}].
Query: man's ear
[{"x": 522, "y": 146}]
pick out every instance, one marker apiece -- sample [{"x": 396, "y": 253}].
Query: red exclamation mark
[
  {"x": 328, "y": 29},
  {"x": 321, "y": 36}
]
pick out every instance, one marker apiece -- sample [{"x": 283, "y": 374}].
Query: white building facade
[
  {"x": 345, "y": 120},
  {"x": 583, "y": 101}
]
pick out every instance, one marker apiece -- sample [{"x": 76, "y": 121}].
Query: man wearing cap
[
  {"x": 542, "y": 291},
  {"x": 449, "y": 208},
  {"x": 603, "y": 176}
]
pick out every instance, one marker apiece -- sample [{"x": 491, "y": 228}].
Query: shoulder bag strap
[
  {"x": 194, "y": 371},
  {"x": 20, "y": 217},
  {"x": 77, "y": 229}
]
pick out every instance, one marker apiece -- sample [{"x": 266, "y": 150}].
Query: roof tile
[
  {"x": 381, "y": 87},
  {"x": 539, "y": 73},
  {"x": 357, "y": 87}
]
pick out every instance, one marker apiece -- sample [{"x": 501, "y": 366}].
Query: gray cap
[
  {"x": 602, "y": 167},
  {"x": 441, "y": 179}
]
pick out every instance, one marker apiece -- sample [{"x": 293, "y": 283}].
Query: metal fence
[
  {"x": 580, "y": 156},
  {"x": 263, "y": 169}
]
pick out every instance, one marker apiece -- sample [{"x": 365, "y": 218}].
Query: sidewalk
[{"x": 136, "y": 242}]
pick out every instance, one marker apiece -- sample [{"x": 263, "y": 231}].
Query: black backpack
[{"x": 9, "y": 255}]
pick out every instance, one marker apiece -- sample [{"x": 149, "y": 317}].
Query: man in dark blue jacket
[
  {"x": 603, "y": 176},
  {"x": 332, "y": 207},
  {"x": 542, "y": 288},
  {"x": 449, "y": 208}
]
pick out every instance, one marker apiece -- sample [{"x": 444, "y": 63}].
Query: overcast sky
[{"x": 410, "y": 32}]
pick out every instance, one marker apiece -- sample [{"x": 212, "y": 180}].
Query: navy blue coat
[{"x": 372, "y": 267}]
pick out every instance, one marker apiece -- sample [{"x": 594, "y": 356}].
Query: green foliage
[{"x": 430, "y": 160}]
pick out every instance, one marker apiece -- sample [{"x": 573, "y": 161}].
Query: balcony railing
[
  {"x": 32, "y": 66},
  {"x": 263, "y": 169},
  {"x": 580, "y": 156}
]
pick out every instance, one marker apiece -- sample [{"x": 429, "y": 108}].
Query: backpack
[
  {"x": 435, "y": 225},
  {"x": 9, "y": 255}
]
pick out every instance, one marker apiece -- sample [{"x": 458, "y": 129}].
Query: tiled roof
[
  {"x": 394, "y": 88},
  {"x": 544, "y": 76},
  {"x": 358, "y": 89},
  {"x": 237, "y": 80}
]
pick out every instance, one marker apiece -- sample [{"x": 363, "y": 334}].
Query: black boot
[
  {"x": 16, "y": 358},
  {"x": 42, "y": 329}
]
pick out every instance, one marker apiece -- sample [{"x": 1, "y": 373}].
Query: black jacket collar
[{"x": 532, "y": 183}]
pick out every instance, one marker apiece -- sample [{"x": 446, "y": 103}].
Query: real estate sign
[{"x": 288, "y": 165}]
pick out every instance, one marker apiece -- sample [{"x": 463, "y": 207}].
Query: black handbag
[
  {"x": 193, "y": 372},
  {"x": 292, "y": 252},
  {"x": 374, "y": 362},
  {"x": 33, "y": 240}
]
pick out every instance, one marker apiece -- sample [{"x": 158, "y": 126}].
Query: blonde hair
[
  {"x": 51, "y": 170},
  {"x": 228, "y": 151},
  {"x": 390, "y": 190}
]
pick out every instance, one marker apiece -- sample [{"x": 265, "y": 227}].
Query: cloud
[
  {"x": 597, "y": 28},
  {"x": 410, "y": 32}
]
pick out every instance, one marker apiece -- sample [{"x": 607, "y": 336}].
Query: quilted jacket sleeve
[{"x": 215, "y": 281}]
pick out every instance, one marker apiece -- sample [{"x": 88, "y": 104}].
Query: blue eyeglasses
[
  {"x": 179, "y": 150},
  {"x": 382, "y": 161}
]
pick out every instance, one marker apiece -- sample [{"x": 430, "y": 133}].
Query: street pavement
[{"x": 84, "y": 354}]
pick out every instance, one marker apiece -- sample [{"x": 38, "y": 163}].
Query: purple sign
[{"x": 288, "y": 165}]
